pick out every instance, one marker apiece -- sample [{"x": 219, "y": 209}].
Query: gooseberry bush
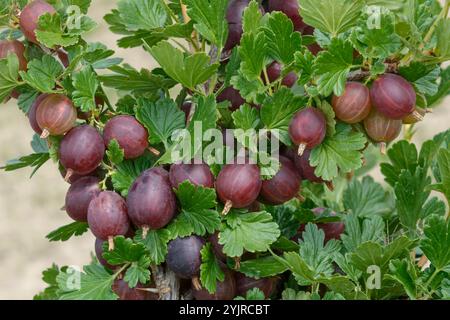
[{"x": 329, "y": 84}]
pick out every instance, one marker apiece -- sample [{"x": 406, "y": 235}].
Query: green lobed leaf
[
  {"x": 50, "y": 33},
  {"x": 138, "y": 272},
  {"x": 142, "y": 82},
  {"x": 252, "y": 294},
  {"x": 277, "y": 110},
  {"x": 252, "y": 51},
  {"x": 366, "y": 198},
  {"x": 125, "y": 250},
  {"x": 443, "y": 161},
  {"x": 142, "y": 14},
  {"x": 49, "y": 276},
  {"x": 423, "y": 77},
  {"x": 376, "y": 37},
  {"x": 251, "y": 91},
  {"x": 253, "y": 232},
  {"x": 304, "y": 63},
  {"x": 333, "y": 66},
  {"x": 285, "y": 216},
  {"x": 436, "y": 243},
  {"x": 115, "y": 153},
  {"x": 262, "y": 267},
  {"x": 251, "y": 19},
  {"x": 404, "y": 272},
  {"x": 198, "y": 214},
  {"x": 403, "y": 156},
  {"x": 86, "y": 84},
  {"x": 210, "y": 271},
  {"x": 210, "y": 19},
  {"x": 246, "y": 117},
  {"x": 443, "y": 39},
  {"x": 328, "y": 112},
  {"x": 359, "y": 231},
  {"x": 156, "y": 244},
  {"x": 374, "y": 254},
  {"x": 35, "y": 161},
  {"x": 190, "y": 70},
  {"x": 282, "y": 41},
  {"x": 95, "y": 283},
  {"x": 66, "y": 232},
  {"x": 161, "y": 118},
  {"x": 340, "y": 152},
  {"x": 26, "y": 99},
  {"x": 332, "y": 16},
  {"x": 42, "y": 73},
  {"x": 9, "y": 68},
  {"x": 411, "y": 197},
  {"x": 317, "y": 254}
]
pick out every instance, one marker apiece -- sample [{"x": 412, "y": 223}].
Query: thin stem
[
  {"x": 435, "y": 273},
  {"x": 266, "y": 77},
  {"x": 126, "y": 265},
  {"x": 181, "y": 46},
  {"x": 442, "y": 15},
  {"x": 171, "y": 13}
]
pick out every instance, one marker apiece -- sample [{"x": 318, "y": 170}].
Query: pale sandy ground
[{"x": 29, "y": 209}]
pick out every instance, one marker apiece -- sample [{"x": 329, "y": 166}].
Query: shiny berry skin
[
  {"x": 82, "y": 150},
  {"x": 29, "y": 17},
  {"x": 244, "y": 283},
  {"x": 393, "y": 96},
  {"x": 305, "y": 169},
  {"x": 196, "y": 174},
  {"x": 284, "y": 186},
  {"x": 308, "y": 128},
  {"x": 238, "y": 185},
  {"x": 233, "y": 96},
  {"x": 332, "y": 230},
  {"x": 380, "y": 128},
  {"x": 121, "y": 288},
  {"x": 56, "y": 115},
  {"x": 107, "y": 215},
  {"x": 63, "y": 57},
  {"x": 183, "y": 256},
  {"x": 225, "y": 290},
  {"x": 32, "y": 113},
  {"x": 129, "y": 133},
  {"x": 274, "y": 72},
  {"x": 99, "y": 254},
  {"x": 151, "y": 201},
  {"x": 186, "y": 108},
  {"x": 16, "y": 47},
  {"x": 79, "y": 197},
  {"x": 291, "y": 9},
  {"x": 354, "y": 104},
  {"x": 235, "y": 11}
]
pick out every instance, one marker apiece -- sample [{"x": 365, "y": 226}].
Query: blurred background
[{"x": 29, "y": 209}]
